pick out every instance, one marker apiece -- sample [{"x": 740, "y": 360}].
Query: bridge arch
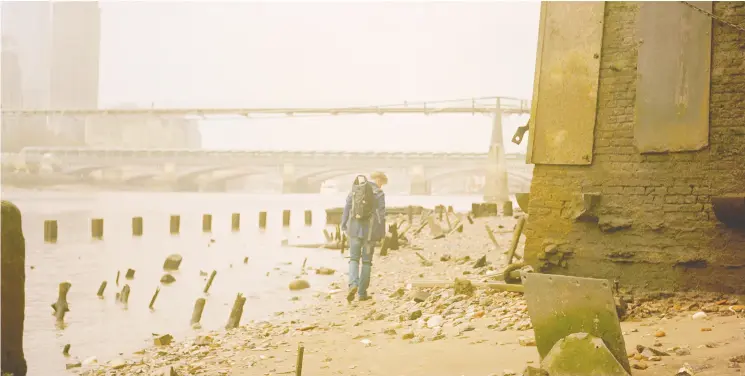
[{"x": 518, "y": 181}]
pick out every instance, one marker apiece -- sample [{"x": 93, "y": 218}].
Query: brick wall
[{"x": 674, "y": 241}]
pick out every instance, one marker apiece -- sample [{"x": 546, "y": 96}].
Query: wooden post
[
  {"x": 299, "y": 363},
  {"x": 410, "y": 213},
  {"x": 97, "y": 228},
  {"x": 155, "y": 296},
  {"x": 447, "y": 219},
  {"x": 101, "y": 289},
  {"x": 66, "y": 350},
  {"x": 235, "y": 314},
  {"x": 286, "y": 218},
  {"x": 491, "y": 235},
  {"x": 118, "y": 273},
  {"x": 196, "y": 315},
  {"x": 262, "y": 219},
  {"x": 175, "y": 224},
  {"x": 209, "y": 282},
  {"x": 476, "y": 210},
  {"x": 13, "y": 295},
  {"x": 124, "y": 295},
  {"x": 50, "y": 231},
  {"x": 393, "y": 242},
  {"x": 130, "y": 274},
  {"x": 507, "y": 209},
  {"x": 309, "y": 218},
  {"x": 60, "y": 307},
  {"x": 206, "y": 223},
  {"x": 450, "y": 209},
  {"x": 235, "y": 220},
  {"x": 329, "y": 238},
  {"x": 470, "y": 220},
  {"x": 137, "y": 226},
  {"x": 515, "y": 240}
]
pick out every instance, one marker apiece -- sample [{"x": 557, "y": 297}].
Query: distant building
[
  {"x": 142, "y": 132},
  {"x": 51, "y": 50}
]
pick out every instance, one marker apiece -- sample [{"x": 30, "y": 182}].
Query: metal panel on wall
[
  {"x": 566, "y": 83},
  {"x": 673, "y": 77}
]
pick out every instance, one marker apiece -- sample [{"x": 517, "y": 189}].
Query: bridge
[{"x": 218, "y": 170}]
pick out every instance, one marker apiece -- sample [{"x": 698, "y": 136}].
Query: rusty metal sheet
[
  {"x": 565, "y": 87},
  {"x": 562, "y": 305},
  {"x": 673, "y": 77}
]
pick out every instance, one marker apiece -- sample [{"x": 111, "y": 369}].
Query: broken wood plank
[{"x": 515, "y": 239}]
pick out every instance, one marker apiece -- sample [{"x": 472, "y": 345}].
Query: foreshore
[{"x": 404, "y": 330}]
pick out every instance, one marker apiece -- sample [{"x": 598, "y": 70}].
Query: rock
[
  {"x": 165, "y": 371},
  {"x": 641, "y": 349},
  {"x": 90, "y": 360},
  {"x": 533, "y": 371},
  {"x": 509, "y": 372},
  {"x": 434, "y": 321},
  {"x": 398, "y": 293},
  {"x": 640, "y": 365},
  {"x": 130, "y": 274},
  {"x": 659, "y": 333},
  {"x": 737, "y": 359},
  {"x": 682, "y": 351},
  {"x": 299, "y": 284},
  {"x": 685, "y": 371},
  {"x": 526, "y": 341},
  {"x": 480, "y": 263},
  {"x": 706, "y": 329},
  {"x": 419, "y": 296},
  {"x": 408, "y": 335},
  {"x": 203, "y": 340},
  {"x": 167, "y": 278},
  {"x": 698, "y": 315},
  {"x": 73, "y": 364},
  {"x": 413, "y": 315},
  {"x": 172, "y": 262},
  {"x": 581, "y": 354},
  {"x": 163, "y": 340},
  {"x": 445, "y": 258},
  {"x": 118, "y": 363},
  {"x": 390, "y": 331},
  {"x": 463, "y": 287},
  {"x": 325, "y": 271},
  {"x": 612, "y": 224}
]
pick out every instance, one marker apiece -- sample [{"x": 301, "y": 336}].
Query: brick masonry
[{"x": 660, "y": 230}]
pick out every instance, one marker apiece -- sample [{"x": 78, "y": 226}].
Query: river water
[{"x": 104, "y": 328}]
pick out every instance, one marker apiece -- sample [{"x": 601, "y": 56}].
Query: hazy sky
[{"x": 309, "y": 54}]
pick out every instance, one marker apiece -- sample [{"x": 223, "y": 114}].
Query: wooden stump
[
  {"x": 61, "y": 307},
  {"x": 155, "y": 296},
  {"x": 235, "y": 222},
  {"x": 262, "y": 219},
  {"x": 13, "y": 294},
  {"x": 101, "y": 289},
  {"x": 286, "y": 218},
  {"x": 235, "y": 314},
  {"x": 209, "y": 282},
  {"x": 207, "y": 223},
  {"x": 196, "y": 315}
]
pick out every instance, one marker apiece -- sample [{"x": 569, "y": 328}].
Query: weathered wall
[
  {"x": 674, "y": 240},
  {"x": 13, "y": 288}
]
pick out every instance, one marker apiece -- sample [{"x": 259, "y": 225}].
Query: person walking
[{"x": 363, "y": 221}]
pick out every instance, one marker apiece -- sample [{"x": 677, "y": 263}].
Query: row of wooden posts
[{"x": 51, "y": 226}]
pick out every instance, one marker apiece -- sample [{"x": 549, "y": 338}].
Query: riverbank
[{"x": 404, "y": 331}]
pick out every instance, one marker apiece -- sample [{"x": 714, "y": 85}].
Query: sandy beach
[{"x": 410, "y": 331}]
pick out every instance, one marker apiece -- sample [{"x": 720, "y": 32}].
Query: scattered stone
[
  {"x": 682, "y": 351},
  {"x": 118, "y": 363},
  {"x": 419, "y": 296},
  {"x": 434, "y": 321},
  {"x": 90, "y": 360},
  {"x": 73, "y": 364},
  {"x": 445, "y": 258},
  {"x": 299, "y": 284},
  {"x": 172, "y": 262},
  {"x": 659, "y": 333},
  {"x": 480, "y": 263},
  {"x": 390, "y": 331},
  {"x": 526, "y": 341},
  {"x": 167, "y": 278},
  {"x": 203, "y": 340},
  {"x": 163, "y": 340},
  {"x": 165, "y": 371},
  {"x": 706, "y": 329},
  {"x": 408, "y": 335},
  {"x": 509, "y": 372},
  {"x": 130, "y": 274},
  {"x": 581, "y": 354},
  {"x": 639, "y": 365},
  {"x": 738, "y": 359},
  {"x": 413, "y": 315},
  {"x": 463, "y": 287},
  {"x": 398, "y": 293},
  {"x": 533, "y": 371},
  {"x": 325, "y": 271},
  {"x": 699, "y": 315}
]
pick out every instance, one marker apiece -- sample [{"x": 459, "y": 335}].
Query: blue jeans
[{"x": 359, "y": 247}]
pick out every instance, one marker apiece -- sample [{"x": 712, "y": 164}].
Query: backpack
[{"x": 363, "y": 199}]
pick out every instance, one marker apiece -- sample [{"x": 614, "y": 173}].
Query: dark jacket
[{"x": 355, "y": 228}]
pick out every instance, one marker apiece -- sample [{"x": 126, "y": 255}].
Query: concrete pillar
[
  {"x": 13, "y": 293},
  {"x": 496, "y": 189}
]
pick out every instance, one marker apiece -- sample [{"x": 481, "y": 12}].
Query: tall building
[{"x": 56, "y": 46}]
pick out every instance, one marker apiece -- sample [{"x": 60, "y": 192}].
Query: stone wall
[{"x": 656, "y": 228}]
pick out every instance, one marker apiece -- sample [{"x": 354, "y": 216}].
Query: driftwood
[
  {"x": 124, "y": 295},
  {"x": 515, "y": 240},
  {"x": 491, "y": 235},
  {"x": 101, "y": 289},
  {"x": 299, "y": 362}
]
